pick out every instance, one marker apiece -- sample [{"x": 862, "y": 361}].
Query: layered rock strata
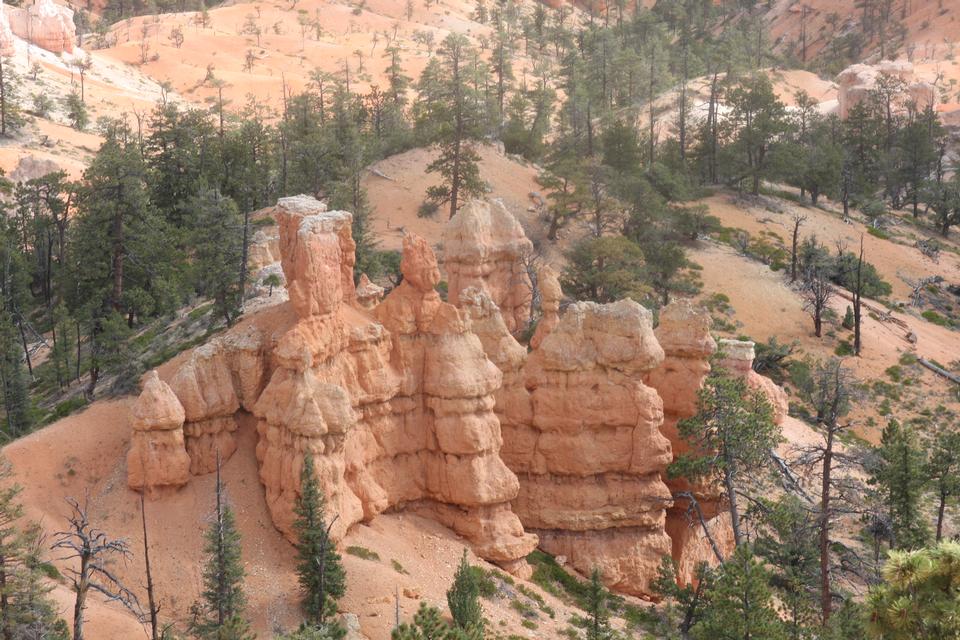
[
  {"x": 485, "y": 247},
  {"x": 158, "y": 457},
  {"x": 856, "y": 82},
  {"x": 581, "y": 430},
  {"x": 394, "y": 407},
  {"x": 44, "y": 23}
]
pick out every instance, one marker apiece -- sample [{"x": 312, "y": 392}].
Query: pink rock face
[
  {"x": 581, "y": 431},
  {"x": 550, "y": 296},
  {"x": 484, "y": 247},
  {"x": 369, "y": 294},
  {"x": 158, "y": 458},
  {"x": 221, "y": 377},
  {"x": 395, "y": 408},
  {"x": 317, "y": 254},
  {"x": 856, "y": 82},
  {"x": 44, "y": 23},
  {"x": 7, "y": 43}
]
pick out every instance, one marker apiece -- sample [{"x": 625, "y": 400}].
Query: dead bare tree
[
  {"x": 153, "y": 608},
  {"x": 93, "y": 550},
  {"x": 858, "y": 303},
  {"x": 828, "y": 390},
  {"x": 817, "y": 292},
  {"x": 798, "y": 219}
]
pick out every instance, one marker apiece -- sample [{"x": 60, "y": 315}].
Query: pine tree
[
  {"x": 16, "y": 395},
  {"x": 943, "y": 470},
  {"x": 731, "y": 436},
  {"x": 219, "y": 614},
  {"x": 758, "y": 118},
  {"x": 25, "y": 610},
  {"x": 463, "y": 597},
  {"x": 452, "y": 113},
  {"x": 11, "y": 118},
  {"x": 899, "y": 475},
  {"x": 219, "y": 247},
  {"x": 918, "y": 596},
  {"x": 321, "y": 575},
  {"x": 428, "y": 625},
  {"x": 598, "y": 618},
  {"x": 741, "y": 605}
]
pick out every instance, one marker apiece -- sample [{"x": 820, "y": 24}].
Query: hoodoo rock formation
[
  {"x": 856, "y": 82},
  {"x": 582, "y": 432},
  {"x": 395, "y": 407},
  {"x": 157, "y": 458},
  {"x": 485, "y": 247},
  {"x": 417, "y": 404},
  {"x": 591, "y": 458},
  {"x": 684, "y": 335},
  {"x": 589, "y": 420},
  {"x": 44, "y": 23}
]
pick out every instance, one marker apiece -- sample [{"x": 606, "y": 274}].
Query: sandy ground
[
  {"x": 84, "y": 456},
  {"x": 354, "y": 36},
  {"x": 394, "y": 200},
  {"x": 931, "y": 24}
]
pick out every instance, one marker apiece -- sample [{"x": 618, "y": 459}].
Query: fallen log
[{"x": 939, "y": 370}]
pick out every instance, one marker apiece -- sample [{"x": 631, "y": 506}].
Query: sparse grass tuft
[{"x": 364, "y": 553}]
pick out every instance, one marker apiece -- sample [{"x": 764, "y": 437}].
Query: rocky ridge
[
  {"x": 413, "y": 403},
  {"x": 394, "y": 406}
]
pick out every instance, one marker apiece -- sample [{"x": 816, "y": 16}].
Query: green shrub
[
  {"x": 932, "y": 316},
  {"x": 843, "y": 349},
  {"x": 364, "y": 553}
]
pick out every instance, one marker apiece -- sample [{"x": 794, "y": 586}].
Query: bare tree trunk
[
  {"x": 857, "y": 295},
  {"x": 732, "y": 500},
  {"x": 151, "y": 601},
  {"x": 826, "y": 600}
]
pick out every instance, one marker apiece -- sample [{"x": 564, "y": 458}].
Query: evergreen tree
[
  {"x": 321, "y": 575},
  {"x": 788, "y": 545},
  {"x": 598, "y": 618},
  {"x": 76, "y": 111},
  {"x": 757, "y": 119},
  {"x": 11, "y": 118},
  {"x": 218, "y": 228},
  {"x": 943, "y": 470},
  {"x": 898, "y": 473},
  {"x": 428, "y": 625},
  {"x": 731, "y": 436},
  {"x": 741, "y": 605},
  {"x": 26, "y": 612},
  {"x": 16, "y": 395},
  {"x": 918, "y": 597},
  {"x": 219, "y": 615},
  {"x": 451, "y": 112},
  {"x": 463, "y": 597},
  {"x": 604, "y": 270}
]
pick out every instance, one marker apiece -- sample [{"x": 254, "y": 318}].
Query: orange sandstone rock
[
  {"x": 44, "y": 23},
  {"x": 484, "y": 246},
  {"x": 395, "y": 408},
  {"x": 158, "y": 456}
]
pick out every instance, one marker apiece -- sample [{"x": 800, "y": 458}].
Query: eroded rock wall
[
  {"x": 394, "y": 406},
  {"x": 485, "y": 247},
  {"x": 582, "y": 432},
  {"x": 44, "y": 23},
  {"x": 856, "y": 82}
]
